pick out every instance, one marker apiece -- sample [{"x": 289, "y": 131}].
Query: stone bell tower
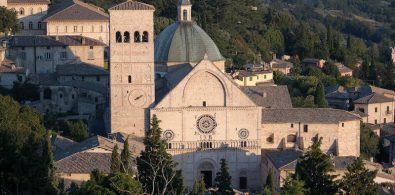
[
  {"x": 132, "y": 81},
  {"x": 184, "y": 10}
]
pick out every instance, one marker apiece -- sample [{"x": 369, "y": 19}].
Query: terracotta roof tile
[
  {"x": 269, "y": 96},
  {"x": 75, "y": 10},
  {"x": 373, "y": 98},
  {"x": 28, "y": 1}
]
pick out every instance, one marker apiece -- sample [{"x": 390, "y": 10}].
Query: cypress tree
[
  {"x": 373, "y": 73},
  {"x": 223, "y": 180},
  {"x": 125, "y": 158},
  {"x": 50, "y": 175},
  {"x": 115, "y": 160},
  {"x": 270, "y": 188},
  {"x": 365, "y": 69},
  {"x": 155, "y": 164},
  {"x": 359, "y": 180},
  {"x": 319, "y": 99},
  {"x": 314, "y": 169},
  {"x": 199, "y": 187},
  {"x": 294, "y": 187}
]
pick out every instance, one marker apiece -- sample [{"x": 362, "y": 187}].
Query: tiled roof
[
  {"x": 75, "y": 10},
  {"x": 29, "y": 41},
  {"x": 344, "y": 69},
  {"x": 269, "y": 96},
  {"x": 80, "y": 69},
  {"x": 338, "y": 95},
  {"x": 28, "y": 2},
  {"x": 52, "y": 81},
  {"x": 382, "y": 91},
  {"x": 359, "y": 113},
  {"x": 287, "y": 159},
  {"x": 306, "y": 115},
  {"x": 373, "y": 98},
  {"x": 132, "y": 5},
  {"x": 93, "y": 142},
  {"x": 84, "y": 162},
  {"x": 281, "y": 159},
  {"x": 277, "y": 63},
  {"x": 387, "y": 129}
]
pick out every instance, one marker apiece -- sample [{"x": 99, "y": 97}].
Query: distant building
[
  {"x": 9, "y": 72},
  {"x": 344, "y": 70},
  {"x": 74, "y": 17},
  {"x": 281, "y": 65},
  {"x": 252, "y": 78},
  {"x": 380, "y": 109},
  {"x": 312, "y": 62},
  {"x": 30, "y": 15},
  {"x": 42, "y": 54}
]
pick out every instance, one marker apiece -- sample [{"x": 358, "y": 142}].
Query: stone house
[
  {"x": 74, "y": 17},
  {"x": 9, "y": 72},
  {"x": 312, "y": 62},
  {"x": 300, "y": 127},
  {"x": 380, "y": 109},
  {"x": 281, "y": 65},
  {"x": 344, "y": 70},
  {"x": 252, "y": 78},
  {"x": 42, "y": 54},
  {"x": 78, "y": 88},
  {"x": 30, "y": 15}
]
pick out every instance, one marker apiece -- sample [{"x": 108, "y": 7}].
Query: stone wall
[{"x": 384, "y": 113}]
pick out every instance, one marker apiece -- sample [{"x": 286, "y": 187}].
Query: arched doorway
[{"x": 206, "y": 169}]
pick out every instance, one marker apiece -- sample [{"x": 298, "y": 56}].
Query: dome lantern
[{"x": 184, "y": 11}]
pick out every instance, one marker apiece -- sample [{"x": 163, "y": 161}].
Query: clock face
[{"x": 137, "y": 98}]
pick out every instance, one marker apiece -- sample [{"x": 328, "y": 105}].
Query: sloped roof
[
  {"x": 80, "y": 69},
  {"x": 184, "y": 2},
  {"x": 132, "y": 5},
  {"x": 282, "y": 159},
  {"x": 84, "y": 162},
  {"x": 51, "y": 80},
  {"x": 42, "y": 41},
  {"x": 75, "y": 10},
  {"x": 306, "y": 115},
  {"x": 382, "y": 91},
  {"x": 373, "y": 98},
  {"x": 277, "y": 63},
  {"x": 28, "y": 2},
  {"x": 269, "y": 96}
]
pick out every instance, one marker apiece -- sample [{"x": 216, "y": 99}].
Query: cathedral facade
[{"x": 205, "y": 114}]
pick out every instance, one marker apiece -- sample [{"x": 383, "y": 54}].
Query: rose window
[{"x": 206, "y": 123}]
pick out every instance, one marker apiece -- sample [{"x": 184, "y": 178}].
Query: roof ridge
[
  {"x": 91, "y": 7},
  {"x": 62, "y": 10}
]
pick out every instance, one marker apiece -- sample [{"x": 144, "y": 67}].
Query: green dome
[{"x": 185, "y": 42}]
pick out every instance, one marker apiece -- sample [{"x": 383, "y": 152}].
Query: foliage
[
  {"x": 125, "y": 158},
  {"x": 314, "y": 169},
  {"x": 156, "y": 167},
  {"x": 319, "y": 98},
  {"x": 369, "y": 142},
  {"x": 293, "y": 186},
  {"x": 270, "y": 188},
  {"x": 25, "y": 153},
  {"x": 359, "y": 180},
  {"x": 331, "y": 69},
  {"x": 8, "y": 21},
  {"x": 115, "y": 160},
  {"x": 24, "y": 92},
  {"x": 223, "y": 180},
  {"x": 75, "y": 130},
  {"x": 199, "y": 187}
]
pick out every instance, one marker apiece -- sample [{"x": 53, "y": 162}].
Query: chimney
[
  {"x": 83, "y": 40},
  {"x": 274, "y": 55}
]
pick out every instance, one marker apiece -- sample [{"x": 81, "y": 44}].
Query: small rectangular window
[
  {"x": 97, "y": 78},
  {"x": 375, "y": 122},
  {"x": 48, "y": 56},
  {"x": 292, "y": 125},
  {"x": 243, "y": 183},
  {"x": 305, "y": 128},
  {"x": 385, "y": 120},
  {"x": 75, "y": 28},
  {"x": 375, "y": 109},
  {"x": 204, "y": 103},
  {"x": 342, "y": 124},
  {"x": 250, "y": 78},
  {"x": 91, "y": 55},
  {"x": 388, "y": 108},
  {"x": 63, "y": 55},
  {"x": 129, "y": 79}
]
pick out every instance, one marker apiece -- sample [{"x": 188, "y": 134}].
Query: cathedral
[{"x": 179, "y": 76}]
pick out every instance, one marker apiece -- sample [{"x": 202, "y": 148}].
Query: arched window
[
  {"x": 21, "y": 11},
  {"x": 145, "y": 36},
  {"x": 31, "y": 11},
  {"x": 30, "y": 25},
  {"x": 185, "y": 15},
  {"x": 22, "y": 25},
  {"x": 126, "y": 37},
  {"x": 47, "y": 94},
  {"x": 137, "y": 37},
  {"x": 118, "y": 37},
  {"x": 291, "y": 138}
]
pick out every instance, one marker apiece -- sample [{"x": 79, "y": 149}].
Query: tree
[
  {"x": 199, "y": 187},
  {"x": 369, "y": 142},
  {"x": 49, "y": 176},
  {"x": 124, "y": 184},
  {"x": 125, "y": 158},
  {"x": 365, "y": 69},
  {"x": 115, "y": 160},
  {"x": 156, "y": 167},
  {"x": 223, "y": 180},
  {"x": 314, "y": 169},
  {"x": 331, "y": 69},
  {"x": 76, "y": 130},
  {"x": 270, "y": 188},
  {"x": 373, "y": 73},
  {"x": 8, "y": 21},
  {"x": 293, "y": 187},
  {"x": 359, "y": 180},
  {"x": 319, "y": 99}
]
